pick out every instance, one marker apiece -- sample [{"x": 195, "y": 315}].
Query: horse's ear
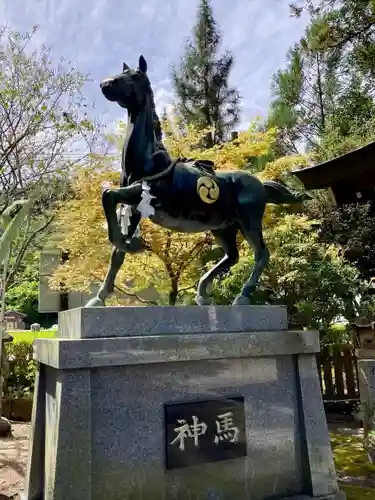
[
  {"x": 142, "y": 64},
  {"x": 124, "y": 67}
]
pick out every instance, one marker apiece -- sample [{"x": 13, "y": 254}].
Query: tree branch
[{"x": 128, "y": 294}]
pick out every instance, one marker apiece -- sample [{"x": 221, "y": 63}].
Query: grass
[
  {"x": 350, "y": 457},
  {"x": 351, "y": 460},
  {"x": 357, "y": 493},
  {"x": 28, "y": 336}
]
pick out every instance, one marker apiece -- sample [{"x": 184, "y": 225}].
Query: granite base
[
  {"x": 366, "y": 382},
  {"x": 98, "y": 426}
]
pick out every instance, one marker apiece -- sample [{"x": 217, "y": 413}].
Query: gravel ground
[
  {"x": 13, "y": 461},
  {"x": 14, "y": 452}
]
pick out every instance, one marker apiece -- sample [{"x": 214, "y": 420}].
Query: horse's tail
[{"x": 279, "y": 194}]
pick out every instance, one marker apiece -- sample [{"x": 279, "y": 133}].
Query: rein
[{"x": 159, "y": 175}]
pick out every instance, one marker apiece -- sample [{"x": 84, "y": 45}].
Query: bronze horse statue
[{"x": 180, "y": 195}]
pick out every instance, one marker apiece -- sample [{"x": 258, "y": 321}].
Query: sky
[{"x": 98, "y": 35}]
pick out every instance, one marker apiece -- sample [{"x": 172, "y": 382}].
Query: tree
[
  {"x": 309, "y": 277},
  {"x": 44, "y": 130},
  {"x": 345, "y": 29},
  {"x": 24, "y": 298},
  {"x": 11, "y": 222},
  {"x": 352, "y": 229},
  {"x": 325, "y": 94},
  {"x": 300, "y": 101},
  {"x": 42, "y": 116},
  {"x": 172, "y": 261},
  {"x": 204, "y": 96},
  {"x": 168, "y": 263},
  {"x": 323, "y": 102},
  {"x": 22, "y": 293}
]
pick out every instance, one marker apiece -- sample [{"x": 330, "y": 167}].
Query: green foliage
[
  {"x": 353, "y": 228},
  {"x": 307, "y": 276},
  {"x": 337, "y": 334},
  {"x": 351, "y": 461},
  {"x": 41, "y": 102},
  {"x": 301, "y": 99},
  {"x": 345, "y": 29},
  {"x": 23, "y": 297},
  {"x": 23, "y": 290},
  {"x": 323, "y": 102},
  {"x": 42, "y": 105},
  {"x": 349, "y": 456},
  {"x": 324, "y": 96},
  {"x": 370, "y": 441},
  {"x": 358, "y": 493},
  {"x": 19, "y": 366},
  {"x": 204, "y": 97},
  {"x": 20, "y": 375}
]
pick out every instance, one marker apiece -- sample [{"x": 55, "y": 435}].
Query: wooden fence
[{"x": 337, "y": 367}]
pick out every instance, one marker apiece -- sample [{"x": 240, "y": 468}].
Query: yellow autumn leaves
[{"x": 171, "y": 264}]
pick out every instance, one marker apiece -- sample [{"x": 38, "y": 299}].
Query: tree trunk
[
  {"x": 173, "y": 293},
  {"x": 208, "y": 141},
  {"x": 320, "y": 96}
]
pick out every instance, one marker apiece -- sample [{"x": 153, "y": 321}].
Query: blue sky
[{"x": 97, "y": 35}]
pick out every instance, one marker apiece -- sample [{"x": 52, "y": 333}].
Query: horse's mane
[{"x": 157, "y": 124}]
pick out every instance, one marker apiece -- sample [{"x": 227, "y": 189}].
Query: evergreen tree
[
  {"x": 324, "y": 101},
  {"x": 204, "y": 97},
  {"x": 346, "y": 28},
  {"x": 324, "y": 97},
  {"x": 303, "y": 97}
]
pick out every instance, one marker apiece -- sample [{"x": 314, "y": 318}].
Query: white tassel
[
  {"x": 144, "y": 206},
  {"x": 124, "y": 212}
]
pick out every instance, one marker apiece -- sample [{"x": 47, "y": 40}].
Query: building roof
[
  {"x": 356, "y": 166},
  {"x": 12, "y": 312}
]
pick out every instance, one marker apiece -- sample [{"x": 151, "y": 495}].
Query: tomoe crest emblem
[{"x": 207, "y": 189}]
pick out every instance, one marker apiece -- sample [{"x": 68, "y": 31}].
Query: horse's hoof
[
  {"x": 200, "y": 300},
  {"x": 95, "y": 302},
  {"x": 241, "y": 300}
]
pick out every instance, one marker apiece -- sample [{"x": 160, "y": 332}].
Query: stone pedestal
[
  {"x": 366, "y": 379},
  {"x": 211, "y": 403}
]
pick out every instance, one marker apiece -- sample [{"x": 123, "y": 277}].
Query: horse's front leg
[
  {"x": 130, "y": 195},
  {"x": 107, "y": 287}
]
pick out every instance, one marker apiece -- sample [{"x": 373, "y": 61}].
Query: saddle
[
  {"x": 205, "y": 166},
  {"x": 163, "y": 165}
]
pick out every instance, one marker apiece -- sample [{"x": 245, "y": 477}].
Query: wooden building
[
  {"x": 350, "y": 177},
  {"x": 14, "y": 320}
]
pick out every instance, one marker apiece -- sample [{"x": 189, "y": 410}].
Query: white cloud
[
  {"x": 163, "y": 99},
  {"x": 99, "y": 34}
]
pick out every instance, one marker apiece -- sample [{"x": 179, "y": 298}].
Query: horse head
[{"x": 130, "y": 88}]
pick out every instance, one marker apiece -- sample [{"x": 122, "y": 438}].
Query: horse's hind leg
[
  {"x": 226, "y": 238},
  {"x": 251, "y": 228}
]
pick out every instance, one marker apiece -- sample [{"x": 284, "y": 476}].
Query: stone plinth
[
  {"x": 104, "y": 390},
  {"x": 366, "y": 379},
  {"x": 366, "y": 335},
  {"x": 107, "y": 322},
  {"x": 365, "y": 353}
]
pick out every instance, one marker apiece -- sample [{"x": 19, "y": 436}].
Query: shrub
[
  {"x": 19, "y": 366},
  {"x": 19, "y": 370}
]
